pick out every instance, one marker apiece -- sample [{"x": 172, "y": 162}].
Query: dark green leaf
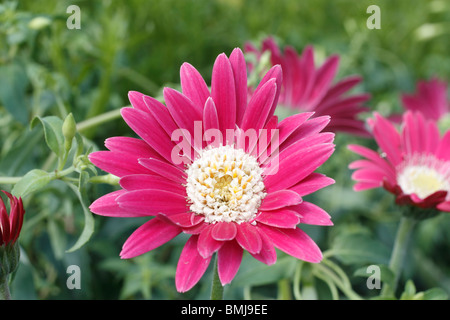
[{"x": 53, "y": 133}]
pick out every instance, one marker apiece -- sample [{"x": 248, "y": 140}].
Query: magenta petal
[
  {"x": 207, "y": 245},
  {"x": 136, "y": 99},
  {"x": 274, "y": 73},
  {"x": 164, "y": 169},
  {"x": 118, "y": 164},
  {"x": 268, "y": 254},
  {"x": 238, "y": 65},
  {"x": 223, "y": 92},
  {"x": 108, "y": 206},
  {"x": 248, "y": 237},
  {"x": 185, "y": 219},
  {"x": 312, "y": 183},
  {"x": 288, "y": 125},
  {"x": 443, "y": 150},
  {"x": 161, "y": 114},
  {"x": 224, "y": 231},
  {"x": 323, "y": 79},
  {"x": 132, "y": 146},
  {"x": 149, "y": 236},
  {"x": 280, "y": 199},
  {"x": 193, "y": 85},
  {"x": 191, "y": 266},
  {"x": 153, "y": 202},
  {"x": 210, "y": 118},
  {"x": 229, "y": 259},
  {"x": 312, "y": 214},
  {"x": 148, "y": 128},
  {"x": 294, "y": 242},
  {"x": 281, "y": 218},
  {"x": 147, "y": 181},
  {"x": 257, "y": 112}
]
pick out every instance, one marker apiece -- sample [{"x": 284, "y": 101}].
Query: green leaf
[
  {"x": 254, "y": 273},
  {"x": 13, "y": 84},
  {"x": 31, "y": 182},
  {"x": 53, "y": 133},
  {"x": 88, "y": 229},
  {"x": 386, "y": 274},
  {"x": 435, "y": 294},
  {"x": 359, "y": 248}
]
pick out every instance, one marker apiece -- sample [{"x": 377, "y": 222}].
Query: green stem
[
  {"x": 284, "y": 290},
  {"x": 4, "y": 288},
  {"x": 217, "y": 288},
  {"x": 402, "y": 238},
  {"x": 102, "y": 118},
  {"x": 9, "y": 180}
]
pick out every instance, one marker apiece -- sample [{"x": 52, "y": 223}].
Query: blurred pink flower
[
  {"x": 311, "y": 89},
  {"x": 430, "y": 99},
  {"x": 414, "y": 166},
  {"x": 227, "y": 196}
]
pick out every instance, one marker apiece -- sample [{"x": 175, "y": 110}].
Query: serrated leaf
[
  {"x": 33, "y": 181},
  {"x": 53, "y": 133}
]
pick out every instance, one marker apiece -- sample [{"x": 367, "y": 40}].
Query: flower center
[
  {"x": 225, "y": 185},
  {"x": 424, "y": 175}
]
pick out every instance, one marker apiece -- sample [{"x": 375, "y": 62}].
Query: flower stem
[
  {"x": 402, "y": 238},
  {"x": 97, "y": 120},
  {"x": 4, "y": 288},
  {"x": 217, "y": 288}
]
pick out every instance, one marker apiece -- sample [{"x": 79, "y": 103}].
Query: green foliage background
[{"x": 48, "y": 70}]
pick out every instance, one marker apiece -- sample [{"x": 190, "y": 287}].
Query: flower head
[
  {"x": 219, "y": 168},
  {"x": 430, "y": 99},
  {"x": 309, "y": 89},
  {"x": 414, "y": 164},
  {"x": 10, "y": 226}
]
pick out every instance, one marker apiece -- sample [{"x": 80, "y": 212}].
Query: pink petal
[
  {"x": 290, "y": 124},
  {"x": 108, "y": 206},
  {"x": 207, "y": 245},
  {"x": 118, "y": 164},
  {"x": 136, "y": 147},
  {"x": 294, "y": 242},
  {"x": 149, "y": 236},
  {"x": 210, "y": 118},
  {"x": 147, "y": 181},
  {"x": 223, "y": 92},
  {"x": 274, "y": 73},
  {"x": 161, "y": 114},
  {"x": 182, "y": 110},
  {"x": 229, "y": 259},
  {"x": 185, "y": 219},
  {"x": 324, "y": 77},
  {"x": 387, "y": 138},
  {"x": 443, "y": 149},
  {"x": 290, "y": 170},
  {"x": 153, "y": 202},
  {"x": 223, "y": 231},
  {"x": 136, "y": 99},
  {"x": 280, "y": 199},
  {"x": 164, "y": 169},
  {"x": 193, "y": 85},
  {"x": 238, "y": 65},
  {"x": 248, "y": 237},
  {"x": 191, "y": 266},
  {"x": 267, "y": 254},
  {"x": 312, "y": 214},
  {"x": 257, "y": 112},
  {"x": 311, "y": 183},
  {"x": 281, "y": 218},
  {"x": 148, "y": 128}
]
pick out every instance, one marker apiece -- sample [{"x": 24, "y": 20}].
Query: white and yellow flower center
[
  {"x": 424, "y": 176},
  {"x": 225, "y": 185}
]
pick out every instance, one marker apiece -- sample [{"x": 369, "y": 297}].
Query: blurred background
[{"x": 48, "y": 69}]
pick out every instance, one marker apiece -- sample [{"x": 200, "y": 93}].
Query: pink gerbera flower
[
  {"x": 414, "y": 165},
  {"x": 307, "y": 88},
  {"x": 430, "y": 99},
  {"x": 226, "y": 194}
]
